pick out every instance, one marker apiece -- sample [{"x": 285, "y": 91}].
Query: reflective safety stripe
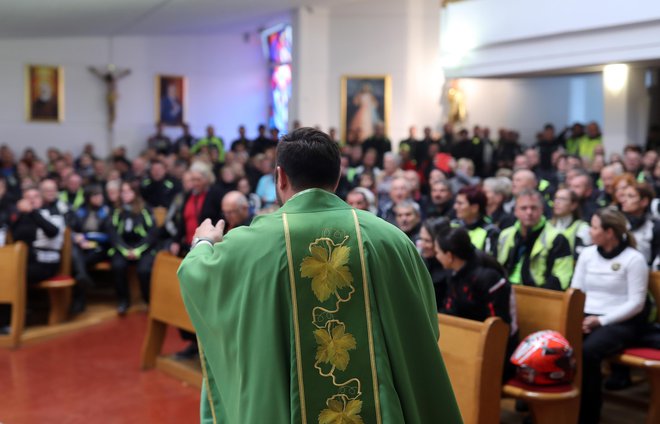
[{"x": 478, "y": 237}]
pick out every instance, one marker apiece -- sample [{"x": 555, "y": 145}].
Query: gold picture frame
[
  {"x": 44, "y": 93},
  {"x": 171, "y": 93},
  {"x": 365, "y": 103}
]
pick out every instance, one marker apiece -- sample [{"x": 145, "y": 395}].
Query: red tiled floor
[{"x": 93, "y": 376}]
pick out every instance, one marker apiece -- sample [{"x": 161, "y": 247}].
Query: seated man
[
  {"x": 158, "y": 189},
  {"x": 400, "y": 190},
  {"x": 533, "y": 252},
  {"x": 43, "y": 232},
  {"x": 408, "y": 219},
  {"x": 442, "y": 200},
  {"x": 361, "y": 198},
  {"x": 582, "y": 185},
  {"x": 73, "y": 194},
  {"x": 236, "y": 210}
]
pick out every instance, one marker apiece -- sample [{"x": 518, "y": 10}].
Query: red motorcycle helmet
[{"x": 544, "y": 358}]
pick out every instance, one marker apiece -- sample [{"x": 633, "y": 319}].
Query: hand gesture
[
  {"x": 208, "y": 231},
  {"x": 24, "y": 206},
  {"x": 590, "y": 323}
]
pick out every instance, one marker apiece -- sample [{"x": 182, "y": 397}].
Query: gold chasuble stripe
[
  {"x": 296, "y": 327},
  {"x": 367, "y": 305},
  {"x": 206, "y": 380},
  {"x": 335, "y": 358}
]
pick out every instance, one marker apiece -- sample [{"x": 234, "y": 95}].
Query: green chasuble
[{"x": 316, "y": 313}]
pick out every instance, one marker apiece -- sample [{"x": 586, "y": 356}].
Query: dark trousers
[
  {"x": 82, "y": 260},
  {"x": 38, "y": 271},
  {"x": 120, "y": 271},
  {"x": 601, "y": 343}
]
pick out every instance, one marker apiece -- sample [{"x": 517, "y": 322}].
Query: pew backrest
[
  {"x": 540, "y": 309},
  {"x": 473, "y": 353},
  {"x": 166, "y": 304}
]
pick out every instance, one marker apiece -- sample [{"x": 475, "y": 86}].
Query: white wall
[
  {"x": 526, "y": 104},
  {"x": 371, "y": 37},
  {"x": 227, "y": 86},
  {"x": 504, "y": 37}
]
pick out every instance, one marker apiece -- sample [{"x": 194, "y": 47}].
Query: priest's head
[{"x": 306, "y": 158}]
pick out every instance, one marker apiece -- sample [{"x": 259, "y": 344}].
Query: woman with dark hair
[
  {"x": 470, "y": 207},
  {"x": 566, "y": 219},
  {"x": 426, "y": 247},
  {"x": 477, "y": 287},
  {"x": 635, "y": 206},
  {"x": 133, "y": 235},
  {"x": 614, "y": 277},
  {"x": 90, "y": 241}
]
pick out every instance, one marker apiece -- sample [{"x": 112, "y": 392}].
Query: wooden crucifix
[{"x": 110, "y": 76}]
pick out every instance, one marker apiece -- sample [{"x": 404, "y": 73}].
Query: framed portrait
[
  {"x": 170, "y": 99},
  {"x": 44, "y": 93},
  {"x": 365, "y": 104}
]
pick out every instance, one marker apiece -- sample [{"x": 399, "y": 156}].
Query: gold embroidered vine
[{"x": 328, "y": 268}]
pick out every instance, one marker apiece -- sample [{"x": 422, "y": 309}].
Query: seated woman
[
  {"x": 133, "y": 235},
  {"x": 90, "y": 241},
  {"x": 566, "y": 219},
  {"x": 470, "y": 207},
  {"x": 614, "y": 277},
  {"x": 635, "y": 206},
  {"x": 426, "y": 247},
  {"x": 477, "y": 287},
  {"x": 621, "y": 183}
]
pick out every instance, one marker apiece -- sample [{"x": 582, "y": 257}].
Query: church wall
[
  {"x": 227, "y": 85},
  {"x": 371, "y": 37},
  {"x": 526, "y": 104},
  {"x": 489, "y": 38}
]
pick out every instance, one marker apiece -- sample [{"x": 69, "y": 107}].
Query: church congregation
[
  {"x": 330, "y": 212},
  {"x": 524, "y": 216}
]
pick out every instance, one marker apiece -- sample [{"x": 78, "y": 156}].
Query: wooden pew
[
  {"x": 13, "y": 269},
  {"x": 60, "y": 286},
  {"x": 540, "y": 309},
  {"x": 160, "y": 214},
  {"x": 647, "y": 359},
  {"x": 474, "y": 353},
  {"x": 167, "y": 308}
]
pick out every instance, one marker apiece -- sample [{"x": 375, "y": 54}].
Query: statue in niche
[
  {"x": 110, "y": 76},
  {"x": 456, "y": 99}
]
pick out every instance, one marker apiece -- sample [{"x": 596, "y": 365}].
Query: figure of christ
[{"x": 110, "y": 76}]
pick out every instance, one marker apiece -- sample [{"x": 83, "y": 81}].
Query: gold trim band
[
  {"x": 206, "y": 379},
  {"x": 296, "y": 328},
  {"x": 367, "y": 304}
]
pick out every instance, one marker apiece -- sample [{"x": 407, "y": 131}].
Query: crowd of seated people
[{"x": 527, "y": 207}]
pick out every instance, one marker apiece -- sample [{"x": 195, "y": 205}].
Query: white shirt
[{"x": 615, "y": 288}]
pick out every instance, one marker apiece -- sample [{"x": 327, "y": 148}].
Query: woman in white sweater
[{"x": 614, "y": 277}]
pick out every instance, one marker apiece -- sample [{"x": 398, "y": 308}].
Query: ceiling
[{"x": 66, "y": 18}]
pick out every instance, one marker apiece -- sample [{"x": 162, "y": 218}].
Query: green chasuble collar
[{"x": 332, "y": 313}]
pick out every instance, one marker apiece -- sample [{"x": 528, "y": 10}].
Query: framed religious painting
[
  {"x": 170, "y": 99},
  {"x": 44, "y": 93},
  {"x": 365, "y": 104}
]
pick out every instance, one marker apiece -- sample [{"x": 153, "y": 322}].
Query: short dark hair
[
  {"x": 475, "y": 196},
  {"x": 309, "y": 158}
]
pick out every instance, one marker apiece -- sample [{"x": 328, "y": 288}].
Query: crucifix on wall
[{"x": 110, "y": 76}]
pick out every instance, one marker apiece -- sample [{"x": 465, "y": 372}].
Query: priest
[{"x": 316, "y": 313}]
